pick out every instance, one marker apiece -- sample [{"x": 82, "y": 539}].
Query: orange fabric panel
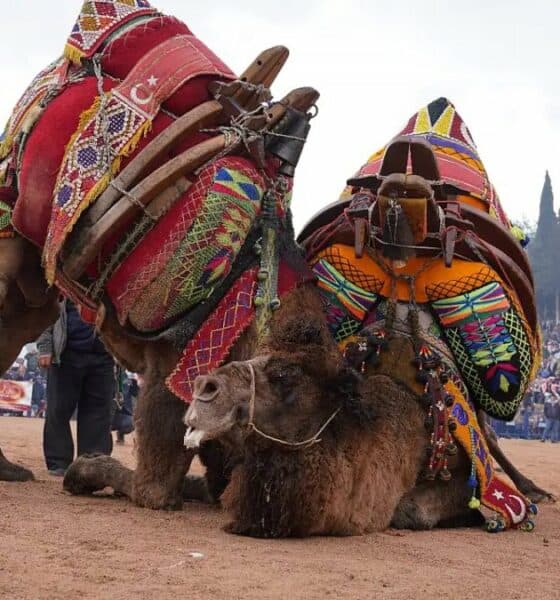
[{"x": 435, "y": 273}]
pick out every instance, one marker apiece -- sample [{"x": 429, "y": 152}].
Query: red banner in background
[{"x": 15, "y": 395}]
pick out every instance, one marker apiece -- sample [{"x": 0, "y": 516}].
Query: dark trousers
[{"x": 87, "y": 382}]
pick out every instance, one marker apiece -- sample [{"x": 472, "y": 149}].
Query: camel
[
  {"x": 349, "y": 435},
  {"x": 242, "y": 122},
  {"x": 325, "y": 450}
]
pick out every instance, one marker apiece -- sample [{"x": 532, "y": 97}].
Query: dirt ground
[{"x": 53, "y": 545}]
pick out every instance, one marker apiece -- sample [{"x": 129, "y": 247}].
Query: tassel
[
  {"x": 397, "y": 236},
  {"x": 73, "y": 54}
]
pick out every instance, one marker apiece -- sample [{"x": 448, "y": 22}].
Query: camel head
[{"x": 285, "y": 395}]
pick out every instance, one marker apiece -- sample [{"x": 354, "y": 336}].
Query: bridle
[{"x": 315, "y": 439}]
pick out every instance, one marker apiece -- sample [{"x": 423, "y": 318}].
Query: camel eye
[{"x": 284, "y": 378}]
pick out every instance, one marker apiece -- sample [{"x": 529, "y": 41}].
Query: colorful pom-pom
[
  {"x": 474, "y": 503},
  {"x": 533, "y": 509},
  {"x": 528, "y": 525}
]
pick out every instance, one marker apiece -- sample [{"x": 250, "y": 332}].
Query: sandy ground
[{"x": 53, "y": 545}]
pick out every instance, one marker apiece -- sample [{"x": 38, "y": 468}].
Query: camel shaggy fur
[{"x": 357, "y": 475}]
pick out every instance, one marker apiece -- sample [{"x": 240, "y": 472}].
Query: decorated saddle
[
  {"x": 421, "y": 224},
  {"x": 419, "y": 246},
  {"x": 148, "y": 173}
]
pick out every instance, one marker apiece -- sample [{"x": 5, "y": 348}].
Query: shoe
[{"x": 60, "y": 472}]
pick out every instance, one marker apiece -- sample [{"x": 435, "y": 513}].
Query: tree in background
[{"x": 544, "y": 253}]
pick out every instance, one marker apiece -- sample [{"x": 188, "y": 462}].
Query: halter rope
[{"x": 315, "y": 439}]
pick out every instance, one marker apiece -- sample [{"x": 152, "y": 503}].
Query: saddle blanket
[{"x": 126, "y": 74}]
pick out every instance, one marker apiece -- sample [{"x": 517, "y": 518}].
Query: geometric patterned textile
[
  {"x": 454, "y": 287},
  {"x": 29, "y": 106},
  {"x": 470, "y": 306},
  {"x": 111, "y": 129},
  {"x": 477, "y": 320},
  {"x": 6, "y": 229},
  {"x": 495, "y": 494},
  {"x": 346, "y": 291},
  {"x": 97, "y": 20},
  {"x": 211, "y": 345},
  {"x": 191, "y": 250},
  {"x": 459, "y": 164},
  {"x": 351, "y": 269},
  {"x": 355, "y": 300},
  {"x": 490, "y": 346}
]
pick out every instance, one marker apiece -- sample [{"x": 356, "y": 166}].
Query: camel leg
[
  {"x": 93, "y": 472},
  {"x": 12, "y": 472},
  {"x": 525, "y": 485},
  {"x": 19, "y": 325},
  {"x": 162, "y": 457},
  {"x": 437, "y": 504},
  {"x": 12, "y": 254},
  {"x": 159, "y": 479},
  {"x": 195, "y": 489}
]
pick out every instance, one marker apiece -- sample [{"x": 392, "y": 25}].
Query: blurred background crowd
[
  {"x": 538, "y": 417},
  {"x": 27, "y": 368}
]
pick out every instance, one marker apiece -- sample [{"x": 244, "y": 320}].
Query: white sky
[{"x": 375, "y": 63}]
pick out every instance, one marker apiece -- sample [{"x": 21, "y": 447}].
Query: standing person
[
  {"x": 527, "y": 408},
  {"x": 551, "y": 417},
  {"x": 81, "y": 375},
  {"x": 555, "y": 436},
  {"x": 125, "y": 400}
]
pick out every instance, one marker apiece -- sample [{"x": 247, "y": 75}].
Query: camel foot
[
  {"x": 94, "y": 472},
  {"x": 535, "y": 493},
  {"x": 195, "y": 489},
  {"x": 156, "y": 496},
  {"x": 12, "y": 472}
]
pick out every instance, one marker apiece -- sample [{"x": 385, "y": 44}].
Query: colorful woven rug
[
  {"x": 213, "y": 342},
  {"x": 513, "y": 508},
  {"x": 97, "y": 20},
  {"x": 211, "y": 345},
  {"x": 191, "y": 250},
  {"x": 478, "y": 318},
  {"x": 29, "y": 106},
  {"x": 491, "y": 345},
  {"x": 111, "y": 129}
]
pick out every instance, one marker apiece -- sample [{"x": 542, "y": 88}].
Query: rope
[
  {"x": 132, "y": 199},
  {"x": 314, "y": 439}
]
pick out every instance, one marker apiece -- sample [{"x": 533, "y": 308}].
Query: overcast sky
[{"x": 375, "y": 63}]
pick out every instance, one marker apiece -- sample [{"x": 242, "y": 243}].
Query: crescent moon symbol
[
  {"x": 517, "y": 517},
  {"x": 134, "y": 95}
]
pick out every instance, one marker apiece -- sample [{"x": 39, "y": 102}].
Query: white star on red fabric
[
  {"x": 498, "y": 495},
  {"x": 152, "y": 81}
]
